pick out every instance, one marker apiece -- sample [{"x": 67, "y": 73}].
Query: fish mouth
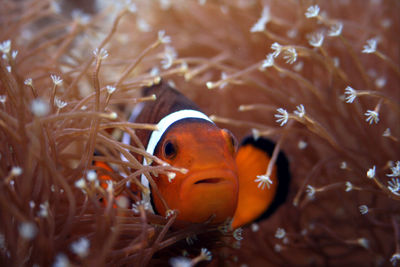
[
  {"x": 211, "y": 177},
  {"x": 209, "y": 192},
  {"x": 210, "y": 181}
]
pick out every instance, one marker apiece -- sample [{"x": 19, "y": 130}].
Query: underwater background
[{"x": 319, "y": 78}]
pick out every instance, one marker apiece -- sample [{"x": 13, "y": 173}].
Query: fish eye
[{"x": 170, "y": 150}]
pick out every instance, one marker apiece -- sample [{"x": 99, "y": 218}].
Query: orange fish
[{"x": 220, "y": 182}]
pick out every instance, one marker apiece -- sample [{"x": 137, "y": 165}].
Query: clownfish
[{"x": 220, "y": 180}]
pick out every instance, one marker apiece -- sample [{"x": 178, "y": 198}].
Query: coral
[{"x": 320, "y": 78}]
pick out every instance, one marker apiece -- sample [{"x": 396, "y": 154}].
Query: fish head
[{"x": 209, "y": 188}]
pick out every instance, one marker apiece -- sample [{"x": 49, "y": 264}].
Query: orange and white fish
[{"x": 220, "y": 182}]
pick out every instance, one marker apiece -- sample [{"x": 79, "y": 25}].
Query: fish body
[
  {"x": 219, "y": 182},
  {"x": 187, "y": 138}
]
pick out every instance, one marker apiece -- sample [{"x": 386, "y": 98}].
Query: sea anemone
[{"x": 320, "y": 78}]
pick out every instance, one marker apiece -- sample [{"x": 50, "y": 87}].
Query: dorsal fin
[{"x": 168, "y": 100}]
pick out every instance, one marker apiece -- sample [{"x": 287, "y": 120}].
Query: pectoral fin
[{"x": 255, "y": 203}]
